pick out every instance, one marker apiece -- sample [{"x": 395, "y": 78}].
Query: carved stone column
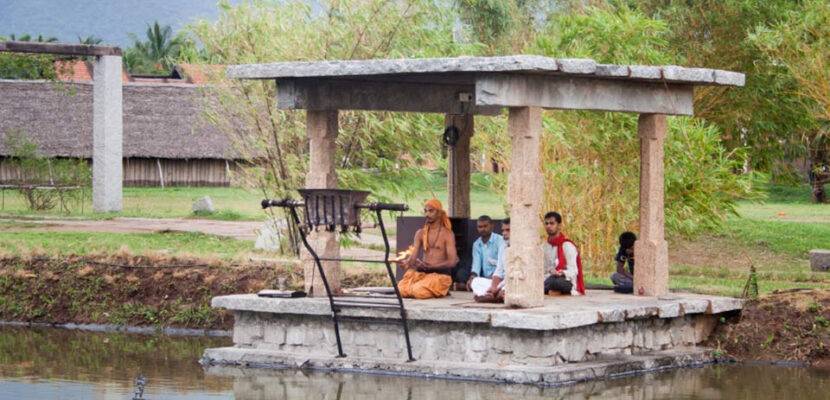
[
  {"x": 651, "y": 274},
  {"x": 321, "y": 127},
  {"x": 525, "y": 270}
]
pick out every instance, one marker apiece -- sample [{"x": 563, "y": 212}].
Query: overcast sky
[{"x": 110, "y": 20}]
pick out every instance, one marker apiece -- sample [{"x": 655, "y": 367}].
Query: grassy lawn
[
  {"x": 175, "y": 202},
  {"x": 172, "y": 244},
  {"x": 238, "y": 203},
  {"x": 774, "y": 235}
]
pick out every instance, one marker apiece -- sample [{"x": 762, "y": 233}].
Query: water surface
[{"x": 63, "y": 364}]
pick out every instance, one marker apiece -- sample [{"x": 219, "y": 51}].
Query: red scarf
[{"x": 558, "y": 241}]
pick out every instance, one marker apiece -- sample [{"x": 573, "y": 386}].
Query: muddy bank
[
  {"x": 789, "y": 325},
  {"x": 137, "y": 290}
]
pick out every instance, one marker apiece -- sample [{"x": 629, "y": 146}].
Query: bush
[{"x": 46, "y": 183}]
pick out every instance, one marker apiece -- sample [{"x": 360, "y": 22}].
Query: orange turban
[{"x": 443, "y": 219}]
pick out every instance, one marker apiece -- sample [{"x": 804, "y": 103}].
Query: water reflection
[
  {"x": 56, "y": 363},
  {"x": 60, "y": 364},
  {"x": 717, "y": 382}
]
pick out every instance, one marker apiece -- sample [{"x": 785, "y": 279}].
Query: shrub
[{"x": 46, "y": 183}]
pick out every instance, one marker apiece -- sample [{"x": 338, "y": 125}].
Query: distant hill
[{"x": 110, "y": 20}]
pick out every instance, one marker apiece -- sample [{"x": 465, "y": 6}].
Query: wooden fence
[{"x": 158, "y": 172}]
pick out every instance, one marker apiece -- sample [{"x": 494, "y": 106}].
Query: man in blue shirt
[{"x": 486, "y": 253}]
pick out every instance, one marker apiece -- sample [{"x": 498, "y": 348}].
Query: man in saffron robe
[
  {"x": 429, "y": 266},
  {"x": 563, "y": 265}
]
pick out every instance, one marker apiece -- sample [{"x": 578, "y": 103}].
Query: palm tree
[
  {"x": 161, "y": 48},
  {"x": 28, "y": 38},
  {"x": 90, "y": 40}
]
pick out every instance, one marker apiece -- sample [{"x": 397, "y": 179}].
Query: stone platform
[{"x": 570, "y": 339}]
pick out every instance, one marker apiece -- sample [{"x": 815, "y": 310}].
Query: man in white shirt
[
  {"x": 494, "y": 287},
  {"x": 563, "y": 266}
]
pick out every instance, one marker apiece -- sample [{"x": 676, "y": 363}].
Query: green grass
[
  {"x": 792, "y": 238},
  {"x": 778, "y": 232},
  {"x": 172, "y": 243},
  {"x": 175, "y": 202}
]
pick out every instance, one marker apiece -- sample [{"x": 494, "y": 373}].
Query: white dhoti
[{"x": 481, "y": 285}]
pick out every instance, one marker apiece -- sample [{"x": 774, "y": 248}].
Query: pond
[{"x": 47, "y": 363}]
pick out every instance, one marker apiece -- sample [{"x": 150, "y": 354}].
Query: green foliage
[
  {"x": 25, "y": 66},
  {"x": 374, "y": 150},
  {"x": 156, "y": 53},
  {"x": 90, "y": 40},
  {"x": 589, "y": 156},
  {"x": 621, "y": 36},
  {"x": 701, "y": 184},
  {"x": 800, "y": 44},
  {"x": 46, "y": 182},
  {"x": 766, "y": 115}
]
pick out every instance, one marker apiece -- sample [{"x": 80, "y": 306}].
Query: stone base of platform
[
  {"x": 569, "y": 339},
  {"x": 561, "y": 374}
]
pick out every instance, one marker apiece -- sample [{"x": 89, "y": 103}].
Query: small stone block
[
  {"x": 683, "y": 74},
  {"x": 641, "y": 312},
  {"x": 646, "y": 72},
  {"x": 729, "y": 78},
  {"x": 695, "y": 306},
  {"x": 612, "y": 70},
  {"x": 719, "y": 305},
  {"x": 534, "y": 321},
  {"x": 820, "y": 260},
  {"x": 612, "y": 315},
  {"x": 669, "y": 310},
  {"x": 577, "y": 65}
]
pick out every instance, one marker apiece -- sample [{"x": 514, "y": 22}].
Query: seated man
[
  {"x": 563, "y": 266},
  {"x": 624, "y": 279},
  {"x": 495, "y": 291},
  {"x": 486, "y": 250},
  {"x": 429, "y": 266}
]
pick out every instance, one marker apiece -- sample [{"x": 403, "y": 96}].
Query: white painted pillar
[
  {"x": 525, "y": 271},
  {"x": 458, "y": 168},
  {"x": 107, "y": 133},
  {"x": 321, "y": 127},
  {"x": 651, "y": 274}
]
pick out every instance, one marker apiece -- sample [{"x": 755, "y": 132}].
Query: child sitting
[{"x": 624, "y": 279}]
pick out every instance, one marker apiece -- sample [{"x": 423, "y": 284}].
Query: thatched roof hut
[{"x": 162, "y": 123}]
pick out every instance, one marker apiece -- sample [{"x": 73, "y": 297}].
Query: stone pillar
[
  {"x": 107, "y": 121},
  {"x": 651, "y": 275},
  {"x": 525, "y": 272},
  {"x": 321, "y": 127},
  {"x": 458, "y": 169}
]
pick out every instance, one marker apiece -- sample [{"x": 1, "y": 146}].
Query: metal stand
[{"x": 332, "y": 208}]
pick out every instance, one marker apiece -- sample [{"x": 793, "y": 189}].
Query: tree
[
  {"x": 28, "y": 38},
  {"x": 801, "y": 44},
  {"x": 157, "y": 53},
  {"x": 765, "y": 116},
  {"x": 90, "y": 40},
  {"x": 27, "y": 66}
]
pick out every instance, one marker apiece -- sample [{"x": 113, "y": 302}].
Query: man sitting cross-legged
[
  {"x": 495, "y": 286},
  {"x": 429, "y": 266},
  {"x": 563, "y": 266},
  {"x": 486, "y": 252}
]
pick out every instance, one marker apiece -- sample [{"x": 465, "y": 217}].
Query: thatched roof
[{"x": 160, "y": 120}]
